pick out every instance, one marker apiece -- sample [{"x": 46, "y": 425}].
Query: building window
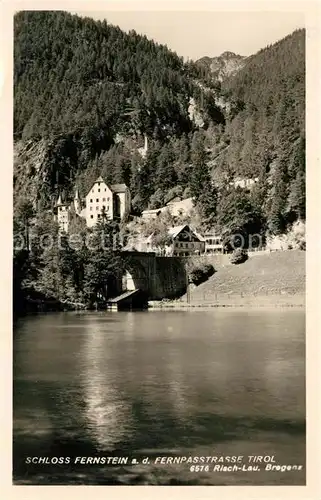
[
  {"x": 104, "y": 199},
  {"x": 91, "y": 201},
  {"x": 98, "y": 183},
  {"x": 98, "y": 216},
  {"x": 91, "y": 216},
  {"x": 97, "y": 208},
  {"x": 105, "y": 189},
  {"x": 91, "y": 208},
  {"x": 97, "y": 200},
  {"x": 107, "y": 208},
  {"x": 108, "y": 199},
  {"x": 98, "y": 190}
]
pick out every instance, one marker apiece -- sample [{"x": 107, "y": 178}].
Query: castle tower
[
  {"x": 77, "y": 202},
  {"x": 62, "y": 215}
]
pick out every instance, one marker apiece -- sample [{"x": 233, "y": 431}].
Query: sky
[{"x": 206, "y": 33}]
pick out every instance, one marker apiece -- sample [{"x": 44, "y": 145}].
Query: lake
[{"x": 145, "y": 386}]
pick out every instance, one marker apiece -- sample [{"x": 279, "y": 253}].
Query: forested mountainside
[
  {"x": 87, "y": 95},
  {"x": 91, "y": 100},
  {"x": 90, "y": 93}
]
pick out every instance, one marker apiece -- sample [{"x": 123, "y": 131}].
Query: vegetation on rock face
[
  {"x": 293, "y": 239},
  {"x": 87, "y": 95}
]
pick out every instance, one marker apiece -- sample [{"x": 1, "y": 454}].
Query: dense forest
[{"x": 87, "y": 96}]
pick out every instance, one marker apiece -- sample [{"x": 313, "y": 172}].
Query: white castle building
[{"x": 112, "y": 201}]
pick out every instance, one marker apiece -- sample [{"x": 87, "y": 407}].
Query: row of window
[
  {"x": 214, "y": 250},
  {"x": 105, "y": 189},
  {"x": 185, "y": 245},
  {"x": 215, "y": 241},
  {"x": 98, "y": 216},
  {"x": 98, "y": 208},
  {"x": 98, "y": 200}
]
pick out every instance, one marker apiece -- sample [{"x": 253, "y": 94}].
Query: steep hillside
[{"x": 275, "y": 273}]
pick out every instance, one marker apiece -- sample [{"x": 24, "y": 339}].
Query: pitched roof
[
  {"x": 118, "y": 188},
  {"x": 153, "y": 210},
  {"x": 61, "y": 202},
  {"x": 175, "y": 199},
  {"x": 174, "y": 231},
  {"x": 100, "y": 179}
]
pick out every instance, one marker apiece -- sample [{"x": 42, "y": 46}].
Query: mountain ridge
[{"x": 222, "y": 66}]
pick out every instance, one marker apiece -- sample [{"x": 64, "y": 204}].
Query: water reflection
[
  {"x": 107, "y": 413},
  {"x": 129, "y": 382}
]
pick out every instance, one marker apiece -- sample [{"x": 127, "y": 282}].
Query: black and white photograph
[{"x": 159, "y": 247}]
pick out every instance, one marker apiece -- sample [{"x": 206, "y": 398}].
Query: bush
[
  {"x": 201, "y": 273},
  {"x": 239, "y": 256}
]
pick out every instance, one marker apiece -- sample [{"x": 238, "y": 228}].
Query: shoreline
[{"x": 255, "y": 302}]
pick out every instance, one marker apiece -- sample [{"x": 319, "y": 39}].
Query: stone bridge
[{"x": 158, "y": 277}]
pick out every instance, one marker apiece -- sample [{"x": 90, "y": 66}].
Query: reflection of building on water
[{"x": 107, "y": 415}]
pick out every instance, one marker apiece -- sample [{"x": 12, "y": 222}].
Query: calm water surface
[{"x": 150, "y": 384}]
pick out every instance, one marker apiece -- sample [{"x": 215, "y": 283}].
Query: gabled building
[
  {"x": 99, "y": 200},
  {"x": 186, "y": 241},
  {"x": 112, "y": 201}
]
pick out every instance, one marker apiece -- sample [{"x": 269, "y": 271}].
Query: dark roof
[
  {"x": 118, "y": 188},
  {"x": 175, "y": 231}
]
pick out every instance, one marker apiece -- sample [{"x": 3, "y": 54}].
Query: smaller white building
[
  {"x": 175, "y": 207},
  {"x": 153, "y": 213},
  {"x": 213, "y": 243},
  {"x": 63, "y": 216},
  {"x": 244, "y": 183},
  {"x": 179, "y": 207}
]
